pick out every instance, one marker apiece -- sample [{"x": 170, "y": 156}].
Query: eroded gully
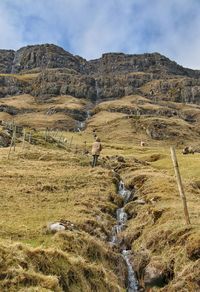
[{"x": 122, "y": 218}]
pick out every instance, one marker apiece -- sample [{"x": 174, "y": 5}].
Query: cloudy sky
[{"x": 92, "y": 27}]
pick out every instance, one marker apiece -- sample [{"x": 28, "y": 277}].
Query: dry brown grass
[
  {"x": 47, "y": 184},
  {"x": 41, "y": 120},
  {"x": 34, "y": 113},
  {"x": 158, "y": 228},
  {"x": 43, "y": 185},
  {"x": 27, "y": 101}
]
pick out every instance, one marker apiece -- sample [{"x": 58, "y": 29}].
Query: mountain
[
  {"x": 113, "y": 75},
  {"x": 45, "y": 86},
  {"x": 66, "y": 226}
]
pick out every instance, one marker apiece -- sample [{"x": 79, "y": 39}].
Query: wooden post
[
  {"x": 179, "y": 183},
  {"x": 11, "y": 144},
  {"x": 70, "y": 144},
  {"x": 14, "y": 136},
  {"x": 59, "y": 140},
  {"x": 24, "y": 138},
  {"x": 29, "y": 140},
  {"x": 12, "y": 125},
  {"x": 56, "y": 133}
]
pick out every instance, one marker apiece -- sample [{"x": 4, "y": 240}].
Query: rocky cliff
[{"x": 111, "y": 76}]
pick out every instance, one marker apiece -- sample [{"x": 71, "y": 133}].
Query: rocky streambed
[{"x": 122, "y": 217}]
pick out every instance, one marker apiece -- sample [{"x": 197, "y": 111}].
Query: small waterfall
[
  {"x": 124, "y": 192},
  {"x": 97, "y": 89},
  {"x": 119, "y": 227},
  {"x": 193, "y": 95},
  {"x": 88, "y": 114},
  {"x": 80, "y": 126},
  {"x": 15, "y": 63},
  {"x": 132, "y": 282}
]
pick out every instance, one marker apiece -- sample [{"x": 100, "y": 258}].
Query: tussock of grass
[{"x": 53, "y": 270}]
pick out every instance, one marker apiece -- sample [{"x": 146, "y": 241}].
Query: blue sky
[{"x": 92, "y": 27}]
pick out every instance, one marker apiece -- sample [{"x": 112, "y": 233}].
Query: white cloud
[{"x": 92, "y": 27}]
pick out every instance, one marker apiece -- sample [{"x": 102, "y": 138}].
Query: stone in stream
[
  {"x": 158, "y": 273},
  {"x": 140, "y": 201}
]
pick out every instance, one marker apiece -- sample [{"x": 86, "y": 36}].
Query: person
[{"x": 96, "y": 149}]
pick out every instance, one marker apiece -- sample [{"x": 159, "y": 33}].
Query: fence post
[
  {"x": 11, "y": 144},
  {"x": 14, "y": 136},
  {"x": 24, "y": 138},
  {"x": 180, "y": 184},
  {"x": 59, "y": 140},
  {"x": 70, "y": 144},
  {"x": 30, "y": 136}
]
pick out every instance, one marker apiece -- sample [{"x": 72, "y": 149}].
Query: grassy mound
[{"x": 26, "y": 269}]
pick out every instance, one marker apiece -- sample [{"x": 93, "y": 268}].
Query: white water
[
  {"x": 81, "y": 125},
  {"x": 119, "y": 227},
  {"x": 124, "y": 192},
  {"x": 97, "y": 89},
  {"x": 132, "y": 282},
  {"x": 88, "y": 114}
]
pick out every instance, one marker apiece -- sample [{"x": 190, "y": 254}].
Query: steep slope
[
  {"x": 45, "y": 184},
  {"x": 59, "y": 102},
  {"x": 113, "y": 75}
]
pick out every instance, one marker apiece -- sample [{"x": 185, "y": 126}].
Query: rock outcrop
[
  {"x": 6, "y": 60},
  {"x": 112, "y": 76},
  {"x": 10, "y": 85},
  {"x": 64, "y": 81},
  {"x": 155, "y": 63},
  {"x": 42, "y": 57}
]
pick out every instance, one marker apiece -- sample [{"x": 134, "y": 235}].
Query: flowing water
[
  {"x": 97, "y": 89},
  {"x": 119, "y": 227},
  {"x": 80, "y": 126}
]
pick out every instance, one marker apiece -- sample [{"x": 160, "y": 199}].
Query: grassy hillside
[
  {"x": 45, "y": 184},
  {"x": 41, "y": 186},
  {"x": 51, "y": 180}
]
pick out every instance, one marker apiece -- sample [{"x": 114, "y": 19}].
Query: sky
[{"x": 90, "y": 28}]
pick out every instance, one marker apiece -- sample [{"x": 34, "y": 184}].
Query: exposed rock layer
[{"x": 111, "y": 76}]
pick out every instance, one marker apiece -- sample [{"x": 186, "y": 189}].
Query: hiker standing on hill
[{"x": 96, "y": 149}]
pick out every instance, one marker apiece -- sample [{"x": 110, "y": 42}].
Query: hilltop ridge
[
  {"x": 45, "y": 86},
  {"x": 114, "y": 75},
  {"x": 52, "y": 56}
]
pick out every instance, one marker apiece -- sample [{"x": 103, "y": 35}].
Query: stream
[{"x": 122, "y": 218}]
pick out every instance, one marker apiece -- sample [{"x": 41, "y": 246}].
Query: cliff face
[
  {"x": 43, "y": 56},
  {"x": 51, "y": 56},
  {"x": 111, "y": 76},
  {"x": 6, "y": 60},
  {"x": 119, "y": 63}
]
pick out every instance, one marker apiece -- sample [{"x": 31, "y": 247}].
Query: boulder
[
  {"x": 5, "y": 139},
  {"x": 157, "y": 273}
]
